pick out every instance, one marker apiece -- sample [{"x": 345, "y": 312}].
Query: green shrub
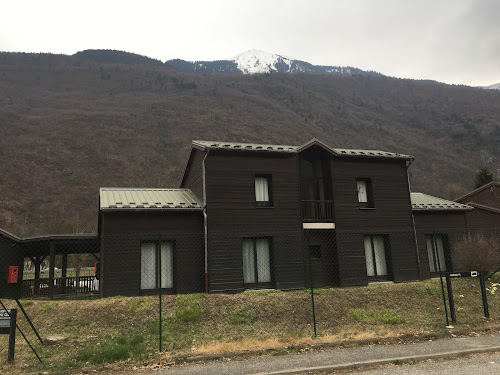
[
  {"x": 190, "y": 299},
  {"x": 142, "y": 305},
  {"x": 242, "y": 316},
  {"x": 188, "y": 313},
  {"x": 384, "y": 316},
  {"x": 118, "y": 349},
  {"x": 48, "y": 306}
]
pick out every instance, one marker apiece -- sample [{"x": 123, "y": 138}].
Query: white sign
[{"x": 5, "y": 318}]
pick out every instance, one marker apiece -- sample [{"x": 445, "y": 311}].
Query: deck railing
[
  {"x": 314, "y": 210},
  {"x": 62, "y": 286}
]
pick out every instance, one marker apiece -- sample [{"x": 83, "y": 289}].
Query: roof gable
[
  {"x": 113, "y": 199},
  {"x": 491, "y": 185},
  {"x": 425, "y": 202}
]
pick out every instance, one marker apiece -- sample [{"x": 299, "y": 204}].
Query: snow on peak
[{"x": 255, "y": 61}]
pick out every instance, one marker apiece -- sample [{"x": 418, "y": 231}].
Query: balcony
[{"x": 317, "y": 211}]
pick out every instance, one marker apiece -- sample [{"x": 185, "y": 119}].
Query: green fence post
[
  {"x": 311, "y": 282},
  {"x": 440, "y": 277},
  {"x": 159, "y": 289}
]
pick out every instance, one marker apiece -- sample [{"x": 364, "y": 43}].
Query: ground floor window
[
  {"x": 375, "y": 254},
  {"x": 432, "y": 245},
  {"x": 149, "y": 265},
  {"x": 256, "y": 262}
]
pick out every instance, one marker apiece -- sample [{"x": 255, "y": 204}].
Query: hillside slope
[{"x": 69, "y": 126}]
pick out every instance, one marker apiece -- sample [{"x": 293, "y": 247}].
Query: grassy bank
[{"x": 123, "y": 331}]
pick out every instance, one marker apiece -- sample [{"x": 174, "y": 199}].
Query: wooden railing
[
  {"x": 62, "y": 286},
  {"x": 313, "y": 210}
]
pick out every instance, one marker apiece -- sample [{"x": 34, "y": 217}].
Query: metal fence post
[
  {"x": 311, "y": 282},
  {"x": 440, "y": 277},
  {"x": 159, "y": 290}
]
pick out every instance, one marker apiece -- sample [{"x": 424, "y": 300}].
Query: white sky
[{"x": 452, "y": 41}]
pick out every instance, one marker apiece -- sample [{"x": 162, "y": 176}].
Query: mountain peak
[{"x": 256, "y": 61}]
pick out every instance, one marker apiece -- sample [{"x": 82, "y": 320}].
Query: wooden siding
[
  {"x": 325, "y": 270},
  {"x": 450, "y": 224},
  {"x": 121, "y": 238},
  {"x": 490, "y": 196},
  {"x": 231, "y": 205},
  {"x": 11, "y": 254},
  {"x": 233, "y": 215},
  {"x": 483, "y": 220},
  {"x": 193, "y": 178},
  {"x": 390, "y": 216}
]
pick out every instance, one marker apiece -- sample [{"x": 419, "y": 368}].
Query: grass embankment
[{"x": 118, "y": 330}]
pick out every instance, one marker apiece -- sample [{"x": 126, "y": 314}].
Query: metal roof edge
[
  {"x": 9, "y": 235},
  {"x": 484, "y": 207}
]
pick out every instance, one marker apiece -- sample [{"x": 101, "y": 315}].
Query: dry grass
[{"x": 279, "y": 321}]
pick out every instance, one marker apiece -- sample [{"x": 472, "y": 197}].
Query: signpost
[
  {"x": 479, "y": 274},
  {"x": 8, "y": 327}
]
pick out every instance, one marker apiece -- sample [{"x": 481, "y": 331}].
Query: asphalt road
[
  {"x": 487, "y": 364},
  {"x": 326, "y": 359}
]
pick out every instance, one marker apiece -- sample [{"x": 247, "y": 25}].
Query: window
[
  {"x": 263, "y": 196},
  {"x": 376, "y": 262},
  {"x": 149, "y": 265},
  {"x": 256, "y": 262},
  {"x": 365, "y": 193},
  {"x": 431, "y": 253}
]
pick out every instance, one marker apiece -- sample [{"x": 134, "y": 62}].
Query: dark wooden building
[
  {"x": 439, "y": 223},
  {"x": 351, "y": 206},
  {"x": 14, "y": 251},
  {"x": 486, "y": 214},
  {"x": 141, "y": 228}
]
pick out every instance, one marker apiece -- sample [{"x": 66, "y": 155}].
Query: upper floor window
[
  {"x": 263, "y": 192},
  {"x": 365, "y": 193}
]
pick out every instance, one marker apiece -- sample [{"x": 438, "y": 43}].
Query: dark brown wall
[
  {"x": 451, "y": 224},
  {"x": 490, "y": 196},
  {"x": 483, "y": 220},
  {"x": 193, "y": 178},
  {"x": 233, "y": 215},
  {"x": 390, "y": 216},
  {"x": 10, "y": 255},
  {"x": 121, "y": 237}
]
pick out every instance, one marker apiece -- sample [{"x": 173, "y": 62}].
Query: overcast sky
[{"x": 454, "y": 41}]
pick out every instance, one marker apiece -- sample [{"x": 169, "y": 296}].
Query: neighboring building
[
  {"x": 15, "y": 250},
  {"x": 132, "y": 224},
  {"x": 438, "y": 224},
  {"x": 486, "y": 202}
]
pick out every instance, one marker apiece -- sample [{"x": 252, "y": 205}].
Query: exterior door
[{"x": 256, "y": 263}]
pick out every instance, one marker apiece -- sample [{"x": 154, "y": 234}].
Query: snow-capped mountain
[
  {"x": 255, "y": 62},
  {"x": 495, "y": 86}
]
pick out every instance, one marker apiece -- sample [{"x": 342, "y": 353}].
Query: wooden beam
[{"x": 52, "y": 264}]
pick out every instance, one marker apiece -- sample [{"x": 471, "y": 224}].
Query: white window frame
[
  {"x": 149, "y": 265},
  {"x": 375, "y": 255},
  {"x": 263, "y": 193},
  {"x": 256, "y": 261}
]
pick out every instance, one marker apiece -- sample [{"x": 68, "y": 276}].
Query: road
[{"x": 477, "y": 364}]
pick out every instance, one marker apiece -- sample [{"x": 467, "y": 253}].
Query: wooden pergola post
[{"x": 52, "y": 264}]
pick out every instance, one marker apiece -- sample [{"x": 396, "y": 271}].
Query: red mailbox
[{"x": 13, "y": 271}]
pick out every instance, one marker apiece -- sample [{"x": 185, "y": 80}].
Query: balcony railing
[
  {"x": 83, "y": 285},
  {"x": 313, "y": 210}
]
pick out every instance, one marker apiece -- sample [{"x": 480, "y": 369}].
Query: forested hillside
[{"x": 69, "y": 125}]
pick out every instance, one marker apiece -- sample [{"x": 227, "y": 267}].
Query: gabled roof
[
  {"x": 112, "y": 199},
  {"x": 257, "y": 147},
  {"x": 492, "y": 185},
  {"x": 424, "y": 202},
  {"x": 47, "y": 237},
  {"x": 218, "y": 145}
]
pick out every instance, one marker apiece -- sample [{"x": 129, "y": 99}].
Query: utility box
[{"x": 13, "y": 273}]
